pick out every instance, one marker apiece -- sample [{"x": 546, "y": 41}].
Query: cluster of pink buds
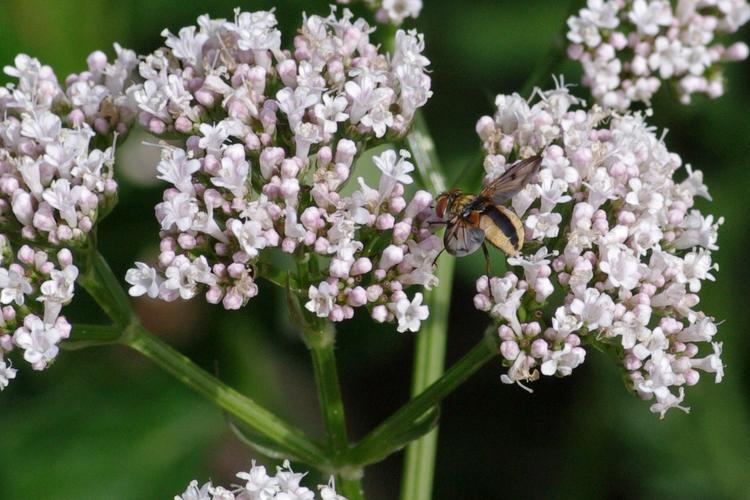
[
  {"x": 628, "y": 48},
  {"x": 268, "y": 143},
  {"x": 617, "y": 250},
  {"x": 56, "y": 183}
]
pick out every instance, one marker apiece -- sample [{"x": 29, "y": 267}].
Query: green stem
[
  {"x": 429, "y": 355},
  {"x": 83, "y": 336},
  {"x": 425, "y": 156},
  {"x": 321, "y": 339},
  {"x": 400, "y": 421},
  {"x": 429, "y": 362},
  {"x": 241, "y": 407},
  {"x": 102, "y": 284},
  {"x": 321, "y": 343}
]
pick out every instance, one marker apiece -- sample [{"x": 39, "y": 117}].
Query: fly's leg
[
  {"x": 434, "y": 262},
  {"x": 486, "y": 258}
]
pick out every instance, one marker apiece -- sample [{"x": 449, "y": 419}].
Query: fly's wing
[
  {"x": 461, "y": 238},
  {"x": 512, "y": 181}
]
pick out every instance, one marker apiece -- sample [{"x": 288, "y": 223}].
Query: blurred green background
[{"x": 105, "y": 423}]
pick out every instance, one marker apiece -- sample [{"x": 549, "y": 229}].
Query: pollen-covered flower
[
  {"x": 56, "y": 184},
  {"x": 627, "y": 49},
  {"x": 624, "y": 254},
  {"x": 258, "y": 483},
  {"x": 269, "y": 139}
]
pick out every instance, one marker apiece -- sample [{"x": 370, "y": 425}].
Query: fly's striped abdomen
[{"x": 502, "y": 228}]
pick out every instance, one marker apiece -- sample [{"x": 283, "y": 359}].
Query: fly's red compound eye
[{"x": 441, "y": 205}]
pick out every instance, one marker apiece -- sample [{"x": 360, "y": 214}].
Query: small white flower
[
  {"x": 39, "y": 342},
  {"x": 7, "y": 373},
  {"x": 14, "y": 286},
  {"x": 410, "y": 314},
  {"x": 144, "y": 280},
  {"x": 321, "y": 298}
]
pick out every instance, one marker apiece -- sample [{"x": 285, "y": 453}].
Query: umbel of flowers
[
  {"x": 268, "y": 138},
  {"x": 617, "y": 249},
  {"x": 56, "y": 155},
  {"x": 628, "y": 48},
  {"x": 258, "y": 484}
]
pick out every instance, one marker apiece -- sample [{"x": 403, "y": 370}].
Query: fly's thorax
[{"x": 446, "y": 202}]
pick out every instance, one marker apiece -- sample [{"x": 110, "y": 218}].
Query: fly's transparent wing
[
  {"x": 461, "y": 238},
  {"x": 512, "y": 181}
]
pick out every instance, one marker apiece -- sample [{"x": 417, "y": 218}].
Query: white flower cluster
[
  {"x": 259, "y": 485},
  {"x": 617, "y": 250},
  {"x": 270, "y": 138},
  {"x": 627, "y": 48},
  {"x": 392, "y": 11},
  {"x": 56, "y": 154}
]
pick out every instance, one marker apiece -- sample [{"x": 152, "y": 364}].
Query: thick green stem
[
  {"x": 83, "y": 336},
  {"x": 429, "y": 355},
  {"x": 102, "y": 284},
  {"x": 429, "y": 362},
  {"x": 425, "y": 156},
  {"x": 239, "y": 406},
  {"x": 321, "y": 343},
  {"x": 369, "y": 449}
]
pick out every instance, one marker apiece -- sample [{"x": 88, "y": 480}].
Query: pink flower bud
[
  {"x": 287, "y": 70},
  {"x": 379, "y": 314},
  {"x": 737, "y": 51},
  {"x": 166, "y": 258},
  {"x": 321, "y": 246},
  {"x": 420, "y": 202},
  {"x": 396, "y": 204},
  {"x": 374, "y": 292},
  {"x": 384, "y": 222},
  {"x": 288, "y": 245},
  {"x": 156, "y": 126},
  {"x": 345, "y": 151},
  {"x": 631, "y": 362},
  {"x": 482, "y": 302},
  {"x": 361, "y": 266},
  {"x": 186, "y": 241},
  {"x": 324, "y": 156},
  {"x": 23, "y": 207},
  {"x": 183, "y": 125},
  {"x": 510, "y": 350},
  {"x": 401, "y": 232},
  {"x": 65, "y": 257},
  {"x": 692, "y": 377},
  {"x": 289, "y": 168},
  {"x": 9, "y": 314},
  {"x": 337, "y": 313},
  {"x": 357, "y": 297},
  {"x": 539, "y": 348},
  {"x": 391, "y": 256},
  {"x": 214, "y": 295},
  {"x": 205, "y": 97},
  {"x": 506, "y": 333},
  {"x": 232, "y": 300}
]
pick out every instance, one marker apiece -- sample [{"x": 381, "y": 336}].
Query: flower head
[{"x": 631, "y": 251}]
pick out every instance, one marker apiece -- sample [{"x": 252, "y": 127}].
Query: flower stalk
[
  {"x": 101, "y": 283},
  {"x": 379, "y": 443},
  {"x": 429, "y": 355}
]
